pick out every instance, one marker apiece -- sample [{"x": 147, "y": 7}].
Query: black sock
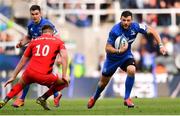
[
  {"x": 6, "y": 99},
  {"x": 45, "y": 96}
]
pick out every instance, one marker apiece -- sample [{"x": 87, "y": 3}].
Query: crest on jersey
[{"x": 133, "y": 32}]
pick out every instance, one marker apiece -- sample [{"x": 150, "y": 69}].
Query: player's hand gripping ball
[{"x": 121, "y": 44}]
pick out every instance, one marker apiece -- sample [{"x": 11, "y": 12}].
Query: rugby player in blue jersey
[
  {"x": 35, "y": 30},
  {"x": 123, "y": 57}
]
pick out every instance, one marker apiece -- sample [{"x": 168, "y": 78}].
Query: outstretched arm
[
  {"x": 150, "y": 30},
  {"x": 18, "y": 68},
  {"x": 23, "y": 42}
]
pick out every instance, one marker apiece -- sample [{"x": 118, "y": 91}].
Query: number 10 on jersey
[{"x": 42, "y": 50}]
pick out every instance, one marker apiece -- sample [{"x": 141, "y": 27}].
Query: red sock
[
  {"x": 15, "y": 90},
  {"x": 52, "y": 89}
]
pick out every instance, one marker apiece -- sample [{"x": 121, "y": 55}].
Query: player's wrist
[
  {"x": 20, "y": 43},
  {"x": 64, "y": 75},
  {"x": 161, "y": 45},
  {"x": 117, "y": 51}
]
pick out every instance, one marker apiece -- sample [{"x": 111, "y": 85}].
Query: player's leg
[
  {"x": 20, "y": 101},
  {"x": 108, "y": 70},
  {"x": 129, "y": 67},
  {"x": 101, "y": 85},
  {"x": 42, "y": 100},
  {"x": 128, "y": 85},
  {"x": 58, "y": 85},
  {"x": 57, "y": 97},
  {"x": 13, "y": 92}
]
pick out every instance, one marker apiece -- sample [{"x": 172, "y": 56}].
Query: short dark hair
[
  {"x": 126, "y": 13},
  {"x": 35, "y": 7},
  {"x": 47, "y": 26}
]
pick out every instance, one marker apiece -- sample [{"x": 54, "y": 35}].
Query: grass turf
[{"x": 112, "y": 106}]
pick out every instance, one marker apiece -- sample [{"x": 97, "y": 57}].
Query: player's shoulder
[
  {"x": 45, "y": 21},
  {"x": 134, "y": 24},
  {"x": 30, "y": 23},
  {"x": 116, "y": 27},
  {"x": 138, "y": 25}
]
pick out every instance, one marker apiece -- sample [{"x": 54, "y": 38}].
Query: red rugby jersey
[{"x": 43, "y": 51}]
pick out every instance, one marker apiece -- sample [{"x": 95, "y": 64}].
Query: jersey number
[{"x": 43, "y": 52}]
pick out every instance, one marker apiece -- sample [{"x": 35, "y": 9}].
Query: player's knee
[
  {"x": 102, "y": 84},
  {"x": 131, "y": 70}
]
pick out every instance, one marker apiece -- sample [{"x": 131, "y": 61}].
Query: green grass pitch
[{"x": 110, "y": 106}]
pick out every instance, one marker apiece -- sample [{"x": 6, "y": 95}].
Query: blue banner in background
[
  {"x": 8, "y": 62},
  {"x": 85, "y": 87}
]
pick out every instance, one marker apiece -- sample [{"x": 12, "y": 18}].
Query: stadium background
[{"x": 84, "y": 26}]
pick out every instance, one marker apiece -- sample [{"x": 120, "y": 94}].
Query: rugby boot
[
  {"x": 128, "y": 102},
  {"x": 91, "y": 103},
  {"x": 57, "y": 100},
  {"x": 43, "y": 103},
  {"x": 18, "y": 102}
]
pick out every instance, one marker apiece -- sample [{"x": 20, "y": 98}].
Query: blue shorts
[{"x": 110, "y": 66}]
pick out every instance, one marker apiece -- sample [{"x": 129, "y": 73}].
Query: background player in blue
[
  {"x": 121, "y": 57},
  {"x": 34, "y": 30}
]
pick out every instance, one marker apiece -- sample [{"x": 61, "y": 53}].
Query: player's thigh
[
  {"x": 44, "y": 79},
  {"x": 49, "y": 79},
  {"x": 109, "y": 68},
  {"x": 26, "y": 77}
]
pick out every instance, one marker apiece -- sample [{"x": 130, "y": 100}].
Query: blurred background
[{"x": 84, "y": 26}]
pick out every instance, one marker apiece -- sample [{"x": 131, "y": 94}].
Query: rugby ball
[{"x": 121, "y": 43}]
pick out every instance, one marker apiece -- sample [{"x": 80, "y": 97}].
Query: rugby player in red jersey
[
  {"x": 41, "y": 53},
  {"x": 34, "y": 31}
]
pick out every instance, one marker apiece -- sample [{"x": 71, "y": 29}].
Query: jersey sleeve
[
  {"x": 112, "y": 37},
  {"x": 141, "y": 28},
  {"x": 28, "y": 51}
]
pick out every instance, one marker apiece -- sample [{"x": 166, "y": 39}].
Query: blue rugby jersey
[
  {"x": 129, "y": 34},
  {"x": 34, "y": 30}
]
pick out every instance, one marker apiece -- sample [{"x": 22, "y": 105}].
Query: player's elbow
[{"x": 108, "y": 48}]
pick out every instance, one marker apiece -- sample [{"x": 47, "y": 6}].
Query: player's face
[
  {"x": 126, "y": 21},
  {"x": 35, "y": 15}
]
